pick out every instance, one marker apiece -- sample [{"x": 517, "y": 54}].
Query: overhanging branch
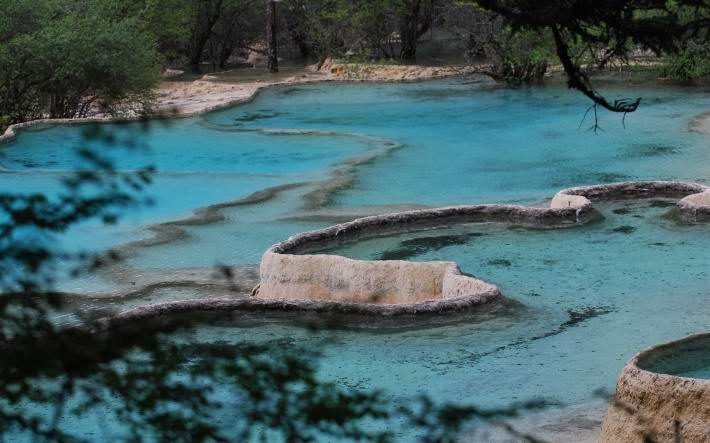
[{"x": 578, "y": 80}]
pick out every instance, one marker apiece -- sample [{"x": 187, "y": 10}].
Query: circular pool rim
[{"x": 663, "y": 407}]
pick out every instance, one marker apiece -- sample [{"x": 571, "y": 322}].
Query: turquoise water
[
  {"x": 196, "y": 167},
  {"x": 462, "y": 142},
  {"x": 468, "y": 142},
  {"x": 457, "y": 142},
  {"x": 689, "y": 359},
  {"x": 584, "y": 299},
  {"x": 703, "y": 371},
  {"x": 592, "y": 296}
]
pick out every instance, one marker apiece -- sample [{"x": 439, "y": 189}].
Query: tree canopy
[
  {"x": 60, "y": 60},
  {"x": 606, "y": 29}
]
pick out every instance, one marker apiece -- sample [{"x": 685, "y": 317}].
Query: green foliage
[
  {"x": 393, "y": 27},
  {"x": 215, "y": 29},
  {"x": 21, "y": 17},
  {"x": 168, "y": 21},
  {"x": 376, "y": 22},
  {"x": 690, "y": 64},
  {"x": 319, "y": 27},
  {"x": 94, "y": 59},
  {"x": 241, "y": 23},
  {"x": 63, "y": 61},
  {"x": 516, "y": 56},
  {"x": 520, "y": 57},
  {"x": 386, "y": 28},
  {"x": 606, "y": 30}
]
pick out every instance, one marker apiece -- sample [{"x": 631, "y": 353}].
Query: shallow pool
[
  {"x": 584, "y": 298},
  {"x": 689, "y": 358}
]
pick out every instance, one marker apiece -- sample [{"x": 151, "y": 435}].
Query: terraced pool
[{"x": 583, "y": 299}]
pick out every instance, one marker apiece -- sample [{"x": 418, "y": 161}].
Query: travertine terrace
[
  {"x": 288, "y": 271},
  {"x": 662, "y": 407}
]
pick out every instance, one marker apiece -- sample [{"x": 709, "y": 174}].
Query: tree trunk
[
  {"x": 206, "y": 19},
  {"x": 408, "y": 35},
  {"x": 224, "y": 55},
  {"x": 415, "y": 22},
  {"x": 408, "y": 52},
  {"x": 197, "y": 47},
  {"x": 273, "y": 58},
  {"x": 196, "y": 56},
  {"x": 300, "y": 40}
]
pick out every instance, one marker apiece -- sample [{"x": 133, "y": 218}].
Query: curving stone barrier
[
  {"x": 391, "y": 286},
  {"x": 293, "y": 279},
  {"x": 634, "y": 189},
  {"x": 289, "y": 272},
  {"x": 653, "y": 406}
]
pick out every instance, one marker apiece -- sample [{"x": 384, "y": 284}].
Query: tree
[
  {"x": 295, "y": 21},
  {"x": 691, "y": 63},
  {"x": 18, "y": 96},
  {"x": 318, "y": 27},
  {"x": 218, "y": 27},
  {"x": 168, "y": 21},
  {"x": 415, "y": 19},
  {"x": 63, "y": 63},
  {"x": 271, "y": 37},
  {"x": 204, "y": 17},
  {"x": 610, "y": 26},
  {"x": 374, "y": 21},
  {"x": 241, "y": 23},
  {"x": 516, "y": 57},
  {"x": 384, "y": 23}
]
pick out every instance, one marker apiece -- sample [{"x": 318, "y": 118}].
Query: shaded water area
[
  {"x": 583, "y": 299},
  {"x": 690, "y": 358}
]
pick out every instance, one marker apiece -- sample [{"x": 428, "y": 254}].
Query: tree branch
[{"x": 576, "y": 79}]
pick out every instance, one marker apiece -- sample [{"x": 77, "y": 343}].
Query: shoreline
[
  {"x": 196, "y": 98},
  {"x": 189, "y": 99}
]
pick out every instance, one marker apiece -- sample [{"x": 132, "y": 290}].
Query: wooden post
[{"x": 273, "y": 59}]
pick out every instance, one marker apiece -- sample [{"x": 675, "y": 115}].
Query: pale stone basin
[
  {"x": 667, "y": 408},
  {"x": 340, "y": 279}
]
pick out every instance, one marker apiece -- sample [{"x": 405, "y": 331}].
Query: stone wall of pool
[
  {"x": 289, "y": 272},
  {"x": 294, "y": 278},
  {"x": 651, "y": 405}
]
